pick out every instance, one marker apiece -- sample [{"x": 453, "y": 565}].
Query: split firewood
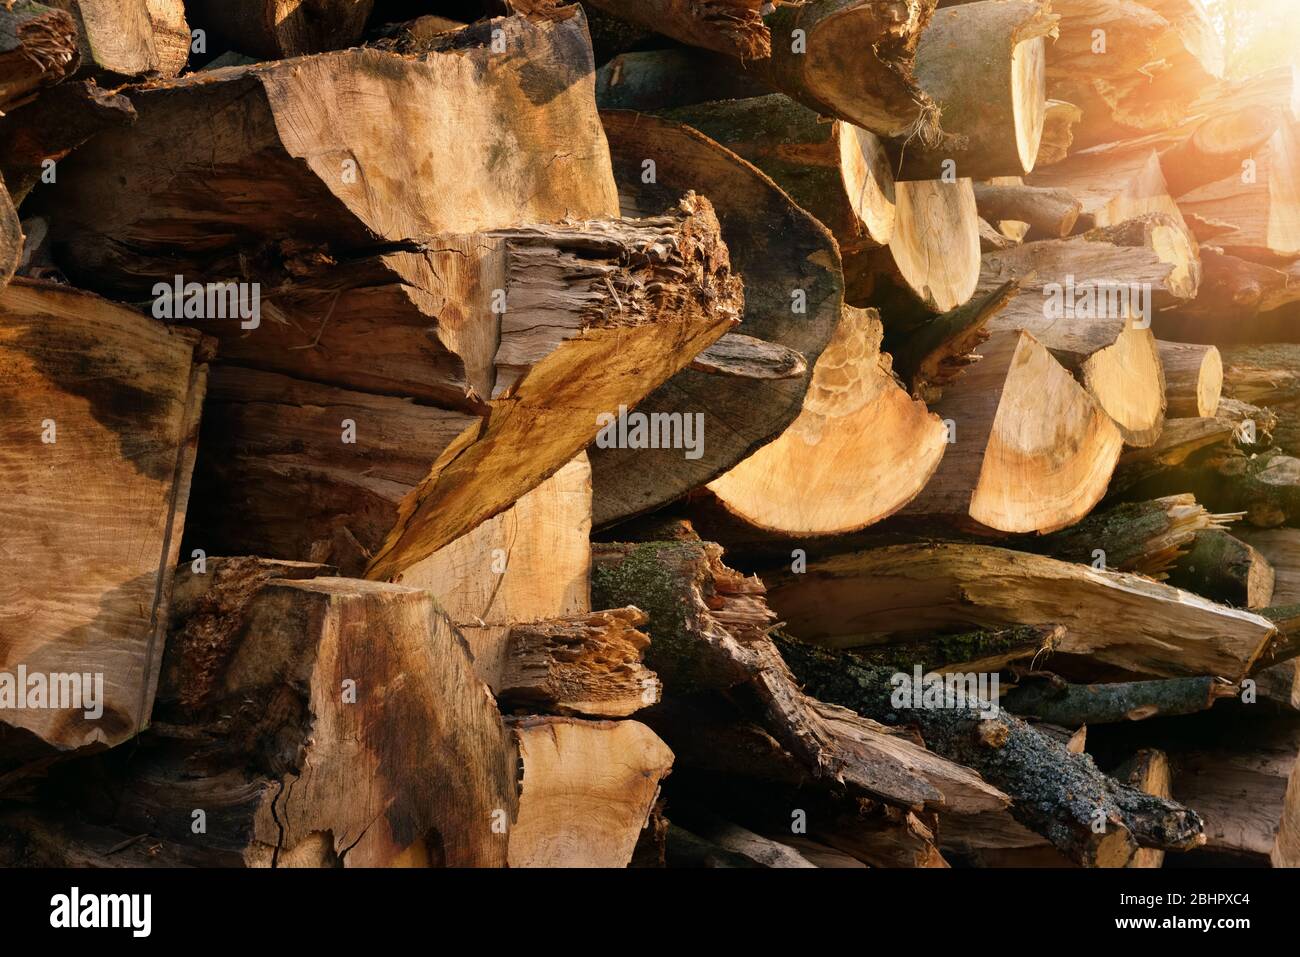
[
  {"x": 38, "y": 48},
  {"x": 1055, "y": 792},
  {"x": 853, "y": 59},
  {"x": 586, "y": 666},
  {"x": 233, "y": 735},
  {"x": 1225, "y": 569},
  {"x": 68, "y": 116},
  {"x": 793, "y": 299},
  {"x": 1193, "y": 378},
  {"x": 1111, "y": 188},
  {"x": 122, "y": 40},
  {"x": 1142, "y": 537},
  {"x": 653, "y": 80},
  {"x": 1184, "y": 441},
  {"x": 1074, "y": 705},
  {"x": 1115, "y": 618},
  {"x": 734, "y": 27},
  {"x": 992, "y": 240},
  {"x": 1090, "y": 300},
  {"x": 277, "y": 29},
  {"x": 854, "y": 412},
  {"x": 485, "y": 581},
  {"x": 1148, "y": 771},
  {"x": 1059, "y": 121},
  {"x": 1029, "y": 450},
  {"x": 984, "y": 65},
  {"x": 341, "y": 183},
  {"x": 709, "y": 632},
  {"x": 586, "y": 790},
  {"x": 102, "y": 416},
  {"x": 1264, "y": 486},
  {"x": 1244, "y": 787},
  {"x": 932, "y": 260},
  {"x": 930, "y": 356},
  {"x": 1255, "y": 211},
  {"x": 835, "y": 170},
  {"x": 1052, "y": 212}
]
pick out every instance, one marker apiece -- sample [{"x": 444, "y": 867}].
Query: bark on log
[
  {"x": 1052, "y": 212},
  {"x": 279, "y": 29},
  {"x": 984, "y": 64},
  {"x": 102, "y": 416},
  {"x": 654, "y": 80},
  {"x": 734, "y": 27},
  {"x": 1054, "y": 792},
  {"x": 860, "y": 449},
  {"x": 1268, "y": 375},
  {"x": 1116, "y": 618},
  {"x": 709, "y": 632},
  {"x": 38, "y": 48},
  {"x": 835, "y": 170},
  {"x": 1073, "y": 705},
  {"x": 793, "y": 299},
  {"x": 1029, "y": 450},
  {"x": 1193, "y": 379},
  {"x": 1225, "y": 569},
  {"x": 988, "y": 650}
]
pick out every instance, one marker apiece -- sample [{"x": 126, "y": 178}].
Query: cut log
[
  {"x": 860, "y": 449},
  {"x": 933, "y": 257},
  {"x": 934, "y": 354},
  {"x": 38, "y": 48},
  {"x": 653, "y": 80},
  {"x": 1239, "y": 301},
  {"x": 1052, "y": 212},
  {"x": 249, "y": 179},
  {"x": 1247, "y": 793},
  {"x": 1055, "y": 792},
  {"x": 1142, "y": 537},
  {"x": 709, "y": 632},
  {"x": 585, "y": 666},
  {"x": 1225, "y": 569},
  {"x": 734, "y": 27},
  {"x": 1255, "y": 212},
  {"x": 1030, "y": 450},
  {"x": 587, "y": 789},
  {"x": 835, "y": 170},
  {"x": 101, "y": 420},
  {"x": 1268, "y": 375},
  {"x": 1193, "y": 379},
  {"x": 984, "y": 65},
  {"x": 277, "y": 29},
  {"x": 988, "y": 650},
  {"x": 793, "y": 299},
  {"x": 1281, "y": 549},
  {"x": 121, "y": 40},
  {"x": 853, "y": 59},
  {"x": 277, "y": 693},
  {"x": 1149, "y": 772},
  {"x": 1116, "y": 618},
  {"x": 1074, "y": 705}
]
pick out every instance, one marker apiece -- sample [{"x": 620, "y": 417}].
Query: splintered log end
[
  {"x": 652, "y": 294},
  {"x": 38, "y": 48},
  {"x": 584, "y": 666}
]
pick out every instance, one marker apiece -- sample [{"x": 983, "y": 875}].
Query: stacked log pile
[{"x": 849, "y": 433}]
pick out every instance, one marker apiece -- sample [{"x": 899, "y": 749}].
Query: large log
[
  {"x": 734, "y": 27},
  {"x": 860, "y": 449},
  {"x": 101, "y": 420},
  {"x": 1225, "y": 569},
  {"x": 1030, "y": 450},
  {"x": 1193, "y": 378},
  {"x": 984, "y": 65},
  {"x": 1115, "y": 618},
  {"x": 269, "y": 160},
  {"x": 793, "y": 299},
  {"x": 654, "y": 80}
]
